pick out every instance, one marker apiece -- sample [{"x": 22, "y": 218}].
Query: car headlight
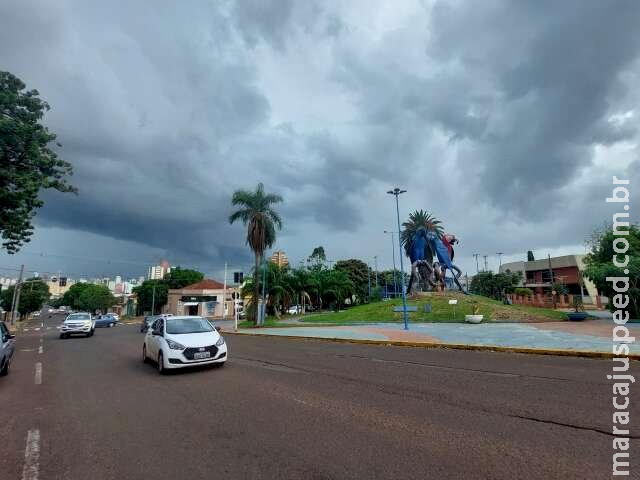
[
  {"x": 175, "y": 345},
  {"x": 220, "y": 342}
]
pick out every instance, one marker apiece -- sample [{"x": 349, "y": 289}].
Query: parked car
[
  {"x": 178, "y": 342},
  {"x": 149, "y": 319},
  {"x": 294, "y": 309},
  {"x": 78, "y": 324},
  {"x": 106, "y": 320},
  {"x": 7, "y": 347}
]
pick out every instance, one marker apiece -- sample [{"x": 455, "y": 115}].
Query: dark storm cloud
[{"x": 483, "y": 112}]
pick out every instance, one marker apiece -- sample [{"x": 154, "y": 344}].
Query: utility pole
[
  {"x": 369, "y": 279},
  {"x": 16, "y": 297},
  {"x": 375, "y": 261},
  {"x": 393, "y": 252},
  {"x": 153, "y": 300},
  {"x": 499, "y": 260},
  {"x": 486, "y": 267},
  {"x": 553, "y": 296},
  {"x": 224, "y": 293},
  {"x": 476, "y": 255}
]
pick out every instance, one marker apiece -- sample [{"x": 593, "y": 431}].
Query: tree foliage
[
  {"x": 358, "y": 273},
  {"x": 599, "y": 265},
  {"x": 95, "y": 298},
  {"x": 256, "y": 212},
  {"x": 493, "y": 285},
  {"x": 72, "y": 295},
  {"x": 27, "y": 164},
  {"x": 148, "y": 299},
  {"x": 530, "y": 257},
  {"x": 317, "y": 256},
  {"x": 33, "y": 295},
  {"x": 181, "y": 277}
]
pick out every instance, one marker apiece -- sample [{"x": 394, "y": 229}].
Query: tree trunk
[{"x": 256, "y": 293}]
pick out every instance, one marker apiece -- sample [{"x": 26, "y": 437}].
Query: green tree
[
  {"x": 96, "y": 297},
  {"x": 181, "y": 277},
  {"x": 317, "y": 257},
  {"x": 358, "y": 273},
  {"x": 530, "y": 257},
  {"x": 599, "y": 265},
  {"x": 27, "y": 164},
  {"x": 147, "y": 298},
  {"x": 493, "y": 285},
  {"x": 71, "y": 297},
  {"x": 257, "y": 213},
  {"x": 33, "y": 295}
]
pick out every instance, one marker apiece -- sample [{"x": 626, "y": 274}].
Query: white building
[{"x": 157, "y": 272}]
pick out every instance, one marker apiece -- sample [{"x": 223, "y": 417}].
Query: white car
[
  {"x": 294, "y": 309},
  {"x": 78, "y": 324},
  {"x": 178, "y": 342}
]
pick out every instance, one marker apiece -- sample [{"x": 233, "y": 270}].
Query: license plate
[{"x": 201, "y": 355}]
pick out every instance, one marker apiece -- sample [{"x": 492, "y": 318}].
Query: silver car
[
  {"x": 7, "y": 347},
  {"x": 78, "y": 324}
]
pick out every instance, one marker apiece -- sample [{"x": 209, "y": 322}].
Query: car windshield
[
  {"x": 188, "y": 325},
  {"x": 79, "y": 316}
]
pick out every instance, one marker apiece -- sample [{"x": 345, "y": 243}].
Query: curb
[{"x": 452, "y": 346}]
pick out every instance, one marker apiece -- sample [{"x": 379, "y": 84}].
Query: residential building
[
  {"x": 539, "y": 275},
  {"x": 280, "y": 258},
  {"x": 205, "y": 298},
  {"x": 157, "y": 272}
]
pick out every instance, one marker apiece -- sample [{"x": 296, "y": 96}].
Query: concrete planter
[{"x": 473, "y": 318}]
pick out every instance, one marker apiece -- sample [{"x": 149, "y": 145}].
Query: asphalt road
[{"x": 289, "y": 409}]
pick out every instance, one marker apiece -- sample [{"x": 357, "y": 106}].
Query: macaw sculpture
[{"x": 425, "y": 243}]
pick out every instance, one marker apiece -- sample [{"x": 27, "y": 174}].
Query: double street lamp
[{"x": 396, "y": 192}]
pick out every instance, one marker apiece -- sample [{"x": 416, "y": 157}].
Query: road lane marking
[
  {"x": 37, "y": 329},
  {"x": 40, "y": 350},
  {"x": 32, "y": 456},
  {"x": 38, "y": 376},
  {"x": 26, "y": 349}
]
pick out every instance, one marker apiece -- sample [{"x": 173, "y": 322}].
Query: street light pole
[
  {"x": 393, "y": 252},
  {"x": 153, "y": 300},
  {"x": 396, "y": 192}
]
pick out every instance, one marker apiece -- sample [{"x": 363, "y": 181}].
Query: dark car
[
  {"x": 106, "y": 320},
  {"x": 7, "y": 347},
  {"x": 149, "y": 319}
]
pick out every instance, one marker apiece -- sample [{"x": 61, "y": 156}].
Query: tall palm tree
[
  {"x": 257, "y": 213},
  {"x": 418, "y": 219}
]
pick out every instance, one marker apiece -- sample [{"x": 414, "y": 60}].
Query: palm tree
[
  {"x": 257, "y": 213},
  {"x": 418, "y": 219}
]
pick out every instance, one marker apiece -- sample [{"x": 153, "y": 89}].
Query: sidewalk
[{"x": 591, "y": 337}]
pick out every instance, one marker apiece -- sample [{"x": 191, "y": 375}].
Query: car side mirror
[
  {"x": 158, "y": 332},
  {"x": 218, "y": 329}
]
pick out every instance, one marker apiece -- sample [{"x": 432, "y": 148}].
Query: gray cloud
[{"x": 504, "y": 119}]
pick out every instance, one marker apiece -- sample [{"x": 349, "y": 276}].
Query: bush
[{"x": 523, "y": 292}]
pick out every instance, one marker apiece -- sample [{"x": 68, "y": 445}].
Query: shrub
[{"x": 524, "y": 292}]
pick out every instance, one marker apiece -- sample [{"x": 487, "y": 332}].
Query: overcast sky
[{"x": 504, "y": 119}]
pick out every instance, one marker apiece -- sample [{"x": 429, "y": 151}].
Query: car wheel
[
  {"x": 5, "y": 369},
  {"x": 91, "y": 333},
  {"x": 144, "y": 354},
  {"x": 160, "y": 364},
  {"x": 61, "y": 336}
]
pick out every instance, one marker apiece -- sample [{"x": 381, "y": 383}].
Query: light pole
[
  {"x": 396, "y": 192},
  {"x": 153, "y": 300},
  {"x": 393, "y": 253}
]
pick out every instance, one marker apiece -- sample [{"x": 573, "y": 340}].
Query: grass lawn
[{"x": 492, "y": 310}]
